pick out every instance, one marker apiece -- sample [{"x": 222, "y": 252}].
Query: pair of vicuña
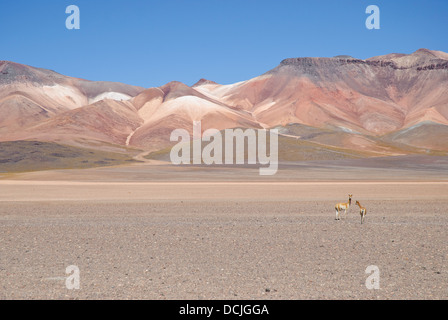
[{"x": 345, "y": 205}]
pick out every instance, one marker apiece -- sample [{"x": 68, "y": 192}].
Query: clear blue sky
[{"x": 149, "y": 43}]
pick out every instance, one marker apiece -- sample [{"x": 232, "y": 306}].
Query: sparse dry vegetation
[{"x": 22, "y": 156}]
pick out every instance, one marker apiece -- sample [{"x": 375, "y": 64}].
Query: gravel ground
[{"x": 203, "y": 249}]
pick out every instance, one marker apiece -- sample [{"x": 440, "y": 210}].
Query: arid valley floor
[{"x": 164, "y": 232}]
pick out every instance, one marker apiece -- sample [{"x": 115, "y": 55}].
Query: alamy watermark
[
  {"x": 73, "y": 21},
  {"x": 72, "y": 281},
  {"x": 233, "y": 147},
  {"x": 373, "y": 21},
  {"x": 373, "y": 280}
]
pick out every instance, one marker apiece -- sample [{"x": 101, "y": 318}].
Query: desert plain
[{"x": 159, "y": 231}]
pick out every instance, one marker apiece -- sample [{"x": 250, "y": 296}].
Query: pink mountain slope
[{"x": 357, "y": 104}]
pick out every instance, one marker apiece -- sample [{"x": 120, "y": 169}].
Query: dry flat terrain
[{"x": 197, "y": 233}]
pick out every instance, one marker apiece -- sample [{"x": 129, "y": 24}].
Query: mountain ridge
[{"x": 377, "y": 96}]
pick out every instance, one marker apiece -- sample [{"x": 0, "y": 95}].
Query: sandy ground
[{"x": 220, "y": 239}]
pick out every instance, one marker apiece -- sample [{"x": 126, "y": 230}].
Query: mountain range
[{"x": 386, "y": 105}]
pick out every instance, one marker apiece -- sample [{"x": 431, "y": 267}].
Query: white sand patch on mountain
[
  {"x": 67, "y": 96},
  {"x": 110, "y": 95},
  {"x": 192, "y": 106},
  {"x": 217, "y": 90},
  {"x": 149, "y": 108}
]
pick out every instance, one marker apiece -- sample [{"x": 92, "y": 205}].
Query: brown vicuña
[
  {"x": 362, "y": 211},
  {"x": 343, "y": 206}
]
